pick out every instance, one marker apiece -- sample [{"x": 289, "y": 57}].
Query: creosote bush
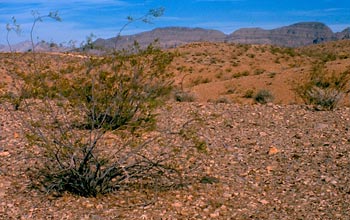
[
  {"x": 115, "y": 97},
  {"x": 121, "y": 89}
]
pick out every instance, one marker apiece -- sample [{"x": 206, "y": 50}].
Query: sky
[{"x": 104, "y": 18}]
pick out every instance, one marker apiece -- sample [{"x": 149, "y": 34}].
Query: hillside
[
  {"x": 281, "y": 160},
  {"x": 228, "y": 72}
]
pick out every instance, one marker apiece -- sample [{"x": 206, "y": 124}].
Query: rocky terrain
[{"x": 262, "y": 162}]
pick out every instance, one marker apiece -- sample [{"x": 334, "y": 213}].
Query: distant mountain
[
  {"x": 167, "y": 37},
  {"x": 295, "y": 35},
  {"x": 27, "y": 46},
  {"x": 299, "y": 34},
  {"x": 345, "y": 34}
]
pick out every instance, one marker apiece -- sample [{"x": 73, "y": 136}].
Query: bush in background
[{"x": 324, "y": 90}]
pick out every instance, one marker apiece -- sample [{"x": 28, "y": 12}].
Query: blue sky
[{"x": 104, "y": 18}]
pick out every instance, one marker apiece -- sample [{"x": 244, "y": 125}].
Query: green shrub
[
  {"x": 121, "y": 89},
  {"x": 125, "y": 88}
]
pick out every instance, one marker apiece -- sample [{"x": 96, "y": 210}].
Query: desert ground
[{"x": 280, "y": 160}]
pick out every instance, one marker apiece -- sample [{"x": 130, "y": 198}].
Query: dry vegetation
[{"x": 232, "y": 157}]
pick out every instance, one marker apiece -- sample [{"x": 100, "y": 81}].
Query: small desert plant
[
  {"x": 263, "y": 97},
  {"x": 222, "y": 100},
  {"x": 228, "y": 70},
  {"x": 219, "y": 75},
  {"x": 231, "y": 90},
  {"x": 206, "y": 80},
  {"x": 200, "y": 80},
  {"x": 182, "y": 96},
  {"x": 250, "y": 55},
  {"x": 259, "y": 71},
  {"x": 248, "y": 94},
  {"x": 272, "y": 74},
  {"x": 240, "y": 74},
  {"x": 234, "y": 63},
  {"x": 324, "y": 90}
]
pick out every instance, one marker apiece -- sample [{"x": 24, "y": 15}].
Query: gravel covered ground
[{"x": 263, "y": 162}]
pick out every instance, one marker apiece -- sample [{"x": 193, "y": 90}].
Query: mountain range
[{"x": 295, "y": 35}]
